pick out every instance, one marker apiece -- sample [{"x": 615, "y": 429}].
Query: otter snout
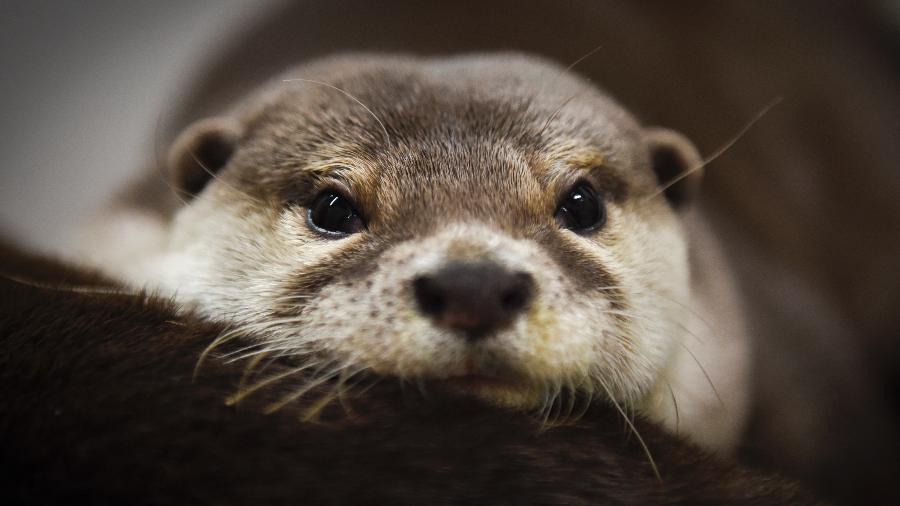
[{"x": 474, "y": 298}]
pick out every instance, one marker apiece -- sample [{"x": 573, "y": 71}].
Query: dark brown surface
[{"x": 98, "y": 406}]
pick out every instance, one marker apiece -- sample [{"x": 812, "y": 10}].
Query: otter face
[{"x": 487, "y": 225}]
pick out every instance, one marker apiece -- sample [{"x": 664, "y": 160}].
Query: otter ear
[
  {"x": 677, "y": 165},
  {"x": 201, "y": 151}
]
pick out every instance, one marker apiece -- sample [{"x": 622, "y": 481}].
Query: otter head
[{"x": 490, "y": 225}]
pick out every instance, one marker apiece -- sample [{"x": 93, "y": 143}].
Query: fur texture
[{"x": 98, "y": 406}]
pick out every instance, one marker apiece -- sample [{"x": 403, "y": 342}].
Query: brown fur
[{"x": 98, "y": 406}]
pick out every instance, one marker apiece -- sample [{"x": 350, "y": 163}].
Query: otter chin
[
  {"x": 493, "y": 225},
  {"x": 497, "y": 386},
  {"x": 493, "y": 391}
]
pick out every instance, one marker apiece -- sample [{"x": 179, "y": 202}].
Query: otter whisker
[
  {"x": 551, "y": 404},
  {"x": 570, "y": 393},
  {"x": 719, "y": 152},
  {"x": 238, "y": 354},
  {"x": 705, "y": 374},
  {"x": 674, "y": 403},
  {"x": 587, "y": 391},
  {"x": 633, "y": 429},
  {"x": 556, "y": 113},
  {"x": 242, "y": 385},
  {"x": 342, "y": 395},
  {"x": 556, "y": 409},
  {"x": 691, "y": 311},
  {"x": 256, "y": 328},
  {"x": 295, "y": 348},
  {"x": 87, "y": 290},
  {"x": 216, "y": 177},
  {"x": 569, "y": 67},
  {"x": 248, "y": 370},
  {"x": 422, "y": 387},
  {"x": 556, "y": 78},
  {"x": 224, "y": 337},
  {"x": 583, "y": 57},
  {"x": 276, "y": 351},
  {"x": 242, "y": 394},
  {"x": 645, "y": 318},
  {"x": 271, "y": 345},
  {"x": 336, "y": 392},
  {"x": 282, "y": 298},
  {"x": 271, "y": 408},
  {"x": 346, "y": 93}
]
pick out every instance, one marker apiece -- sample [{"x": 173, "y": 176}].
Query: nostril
[
  {"x": 512, "y": 300},
  {"x": 428, "y": 295},
  {"x": 518, "y": 295}
]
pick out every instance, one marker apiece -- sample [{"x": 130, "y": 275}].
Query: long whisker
[
  {"x": 572, "y": 66},
  {"x": 248, "y": 370},
  {"x": 236, "y": 355},
  {"x": 281, "y": 351},
  {"x": 705, "y": 374},
  {"x": 654, "y": 293},
  {"x": 693, "y": 312},
  {"x": 336, "y": 392},
  {"x": 675, "y": 404},
  {"x": 242, "y": 394},
  {"x": 384, "y": 129},
  {"x": 581, "y": 59},
  {"x": 216, "y": 177},
  {"x": 552, "y": 404},
  {"x": 555, "y": 114},
  {"x": 88, "y": 290},
  {"x": 633, "y": 429},
  {"x": 719, "y": 152},
  {"x": 556, "y": 78},
  {"x": 292, "y": 348},
  {"x": 221, "y": 339},
  {"x": 271, "y": 408},
  {"x": 586, "y": 390},
  {"x": 645, "y": 318},
  {"x": 342, "y": 394}
]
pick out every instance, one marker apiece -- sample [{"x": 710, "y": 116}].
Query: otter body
[{"x": 487, "y": 226}]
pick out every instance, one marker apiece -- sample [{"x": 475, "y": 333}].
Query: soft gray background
[{"x": 83, "y": 86}]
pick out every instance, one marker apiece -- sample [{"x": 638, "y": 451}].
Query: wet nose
[{"x": 475, "y": 298}]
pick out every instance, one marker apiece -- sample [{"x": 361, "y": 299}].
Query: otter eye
[
  {"x": 581, "y": 210},
  {"x": 333, "y": 214}
]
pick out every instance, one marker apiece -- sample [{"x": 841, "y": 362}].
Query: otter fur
[{"x": 98, "y": 405}]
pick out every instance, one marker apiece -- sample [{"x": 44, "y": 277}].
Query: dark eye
[
  {"x": 581, "y": 210},
  {"x": 334, "y": 214}
]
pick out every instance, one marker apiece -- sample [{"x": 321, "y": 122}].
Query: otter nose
[{"x": 475, "y": 298}]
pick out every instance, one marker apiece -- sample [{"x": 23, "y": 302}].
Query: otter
[{"x": 487, "y": 226}]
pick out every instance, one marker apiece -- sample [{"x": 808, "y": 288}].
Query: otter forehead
[
  {"x": 464, "y": 97},
  {"x": 504, "y": 133}
]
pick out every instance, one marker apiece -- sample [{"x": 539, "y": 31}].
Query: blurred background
[
  {"x": 83, "y": 86},
  {"x": 807, "y": 202}
]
